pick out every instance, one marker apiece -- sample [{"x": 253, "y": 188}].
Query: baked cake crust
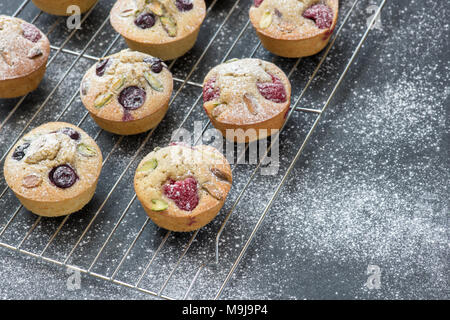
[
  {"x": 210, "y": 179},
  {"x": 106, "y": 82},
  {"x": 171, "y": 31},
  {"x": 24, "y": 52},
  {"x": 30, "y": 165},
  {"x": 285, "y": 31},
  {"x": 59, "y": 7},
  {"x": 246, "y": 94}
]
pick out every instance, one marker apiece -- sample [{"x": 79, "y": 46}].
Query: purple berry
[
  {"x": 184, "y": 5},
  {"x": 145, "y": 20},
  {"x": 127, "y": 116},
  {"x": 101, "y": 67},
  {"x": 63, "y": 176},
  {"x": 157, "y": 67},
  {"x": 156, "y": 64},
  {"x": 132, "y": 98},
  {"x": 19, "y": 153},
  {"x": 73, "y": 134},
  {"x": 31, "y": 33}
]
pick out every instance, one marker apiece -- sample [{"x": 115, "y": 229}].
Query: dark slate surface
[{"x": 371, "y": 187}]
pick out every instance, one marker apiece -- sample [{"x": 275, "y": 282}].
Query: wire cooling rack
[{"x": 144, "y": 257}]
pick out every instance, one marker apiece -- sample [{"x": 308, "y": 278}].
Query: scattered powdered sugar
[{"x": 370, "y": 188}]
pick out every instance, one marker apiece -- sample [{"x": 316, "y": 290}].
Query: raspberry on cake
[
  {"x": 54, "y": 169},
  {"x": 24, "y": 52},
  {"x": 166, "y": 29},
  {"x": 246, "y": 99},
  {"x": 294, "y": 28},
  {"x": 182, "y": 188},
  {"x": 127, "y": 92}
]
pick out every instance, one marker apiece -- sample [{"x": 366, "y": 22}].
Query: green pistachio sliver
[
  {"x": 86, "y": 150},
  {"x": 266, "y": 20},
  {"x": 156, "y": 7},
  {"x": 169, "y": 24},
  {"x": 232, "y": 60},
  {"x": 117, "y": 84},
  {"x": 149, "y": 165},
  {"x": 102, "y": 100},
  {"x": 153, "y": 81},
  {"x": 159, "y": 205}
]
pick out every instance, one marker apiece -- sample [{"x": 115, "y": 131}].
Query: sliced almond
[
  {"x": 266, "y": 20},
  {"x": 127, "y": 13},
  {"x": 221, "y": 175},
  {"x": 251, "y": 103},
  {"x": 32, "y": 181},
  {"x": 213, "y": 190},
  {"x": 34, "y": 52}
]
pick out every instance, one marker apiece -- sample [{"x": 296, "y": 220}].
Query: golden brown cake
[
  {"x": 294, "y": 28},
  {"x": 127, "y": 92},
  {"x": 166, "y": 29},
  {"x": 59, "y": 7},
  {"x": 246, "y": 99},
  {"x": 54, "y": 169},
  {"x": 24, "y": 52},
  {"x": 183, "y": 188}
]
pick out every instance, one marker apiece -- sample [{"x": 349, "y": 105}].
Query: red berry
[
  {"x": 321, "y": 14},
  {"x": 209, "y": 90},
  {"x": 183, "y": 193},
  {"x": 31, "y": 33},
  {"x": 273, "y": 91},
  {"x": 258, "y": 2}
]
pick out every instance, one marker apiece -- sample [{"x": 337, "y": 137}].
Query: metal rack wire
[{"x": 183, "y": 82}]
